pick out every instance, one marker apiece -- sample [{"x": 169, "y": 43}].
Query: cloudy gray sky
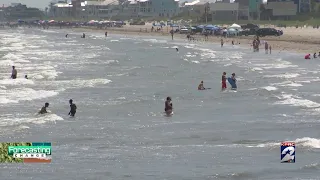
[{"x": 30, "y": 3}]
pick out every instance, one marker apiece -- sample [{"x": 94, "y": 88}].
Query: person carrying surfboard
[
  {"x": 201, "y": 87},
  {"x": 224, "y": 81},
  {"x": 233, "y": 77}
]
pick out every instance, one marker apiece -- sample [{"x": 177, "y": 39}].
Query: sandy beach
[{"x": 302, "y": 40}]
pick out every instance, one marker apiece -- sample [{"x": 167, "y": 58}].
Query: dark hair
[
  {"x": 46, "y": 104},
  {"x": 70, "y": 100},
  {"x": 168, "y": 98}
]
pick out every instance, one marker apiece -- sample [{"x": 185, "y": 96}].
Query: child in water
[{"x": 44, "y": 109}]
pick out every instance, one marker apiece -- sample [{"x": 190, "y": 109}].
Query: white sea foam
[
  {"x": 305, "y": 142},
  {"x": 18, "y": 81},
  {"x": 270, "y": 88},
  {"x": 196, "y": 62},
  {"x": 36, "y": 119},
  {"x": 256, "y": 69},
  {"x": 289, "y": 99},
  {"x": 285, "y": 75},
  {"x": 23, "y": 94},
  {"x": 77, "y": 83}
]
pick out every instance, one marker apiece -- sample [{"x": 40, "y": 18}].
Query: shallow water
[{"x": 120, "y": 132}]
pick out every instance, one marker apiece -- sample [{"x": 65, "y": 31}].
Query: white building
[
  {"x": 105, "y": 9},
  {"x": 151, "y": 8},
  {"x": 60, "y": 10}
]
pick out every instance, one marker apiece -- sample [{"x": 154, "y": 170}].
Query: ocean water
[{"x": 120, "y": 132}]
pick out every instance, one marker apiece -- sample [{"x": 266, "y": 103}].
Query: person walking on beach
[
  {"x": 14, "y": 73},
  {"x": 266, "y": 47},
  {"x": 73, "y": 108},
  {"x": 224, "y": 81},
  {"x": 270, "y": 48},
  {"x": 172, "y": 32}
]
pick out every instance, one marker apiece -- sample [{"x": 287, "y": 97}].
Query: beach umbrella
[
  {"x": 231, "y": 30},
  {"x": 210, "y": 27}
]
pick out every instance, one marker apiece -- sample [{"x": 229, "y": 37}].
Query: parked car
[
  {"x": 268, "y": 32},
  {"x": 249, "y": 26},
  {"x": 247, "y": 32},
  {"x": 137, "y": 23}
]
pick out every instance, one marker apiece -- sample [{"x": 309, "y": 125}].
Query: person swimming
[
  {"x": 224, "y": 81},
  {"x": 177, "y": 49},
  {"x": 44, "y": 109},
  {"x": 14, "y": 73},
  {"x": 168, "y": 106},
  {"x": 201, "y": 87},
  {"x": 73, "y": 108},
  {"x": 26, "y": 77}
]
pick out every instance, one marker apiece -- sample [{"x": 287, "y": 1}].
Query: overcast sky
[{"x": 30, "y": 3}]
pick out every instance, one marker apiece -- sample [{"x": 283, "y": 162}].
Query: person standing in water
[
  {"x": 83, "y": 35},
  {"x": 67, "y": 35},
  {"x": 222, "y": 42},
  {"x": 168, "y": 106},
  {"x": 14, "y": 73},
  {"x": 270, "y": 48},
  {"x": 266, "y": 47},
  {"x": 26, "y": 77},
  {"x": 106, "y": 34},
  {"x": 44, "y": 109},
  {"x": 73, "y": 108},
  {"x": 224, "y": 81}
]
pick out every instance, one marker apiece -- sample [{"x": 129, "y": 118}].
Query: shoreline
[{"x": 292, "y": 41}]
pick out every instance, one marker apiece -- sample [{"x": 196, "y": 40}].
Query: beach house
[
  {"x": 216, "y": 10},
  {"x": 151, "y": 8},
  {"x": 60, "y": 9}
]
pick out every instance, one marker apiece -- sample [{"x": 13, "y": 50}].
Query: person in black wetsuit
[
  {"x": 168, "y": 105},
  {"x": 73, "y": 108}
]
